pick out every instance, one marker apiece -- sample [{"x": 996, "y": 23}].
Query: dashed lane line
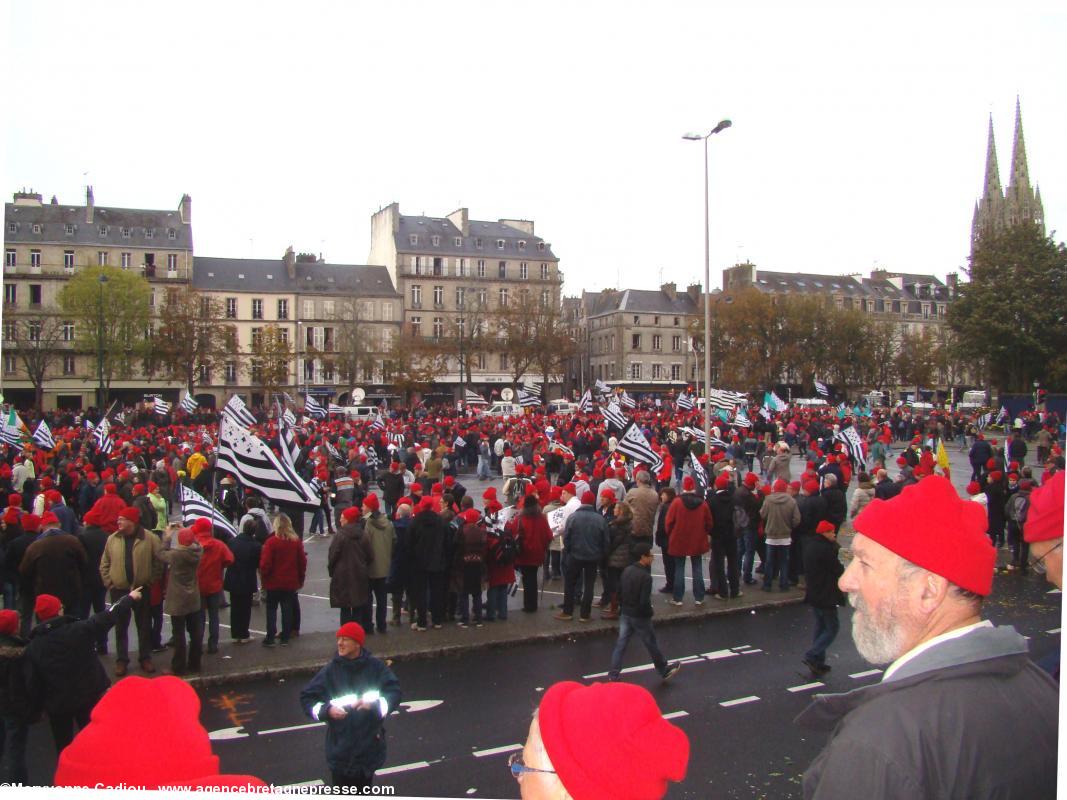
[
  {"x": 1054, "y": 630},
  {"x": 493, "y": 751},
  {"x": 865, "y": 674},
  {"x": 739, "y": 701},
  {"x": 676, "y": 714},
  {"x": 805, "y": 686},
  {"x": 714, "y": 655},
  {"x": 303, "y": 727},
  {"x": 403, "y": 768}
]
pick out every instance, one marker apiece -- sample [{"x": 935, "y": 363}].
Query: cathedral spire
[
  {"x": 1020, "y": 175},
  {"x": 992, "y": 191}
]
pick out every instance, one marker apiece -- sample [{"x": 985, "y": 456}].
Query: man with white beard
[{"x": 961, "y": 711}]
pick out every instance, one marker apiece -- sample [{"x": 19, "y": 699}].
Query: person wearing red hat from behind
[
  {"x": 16, "y": 713},
  {"x": 64, "y": 675},
  {"x": 688, "y": 525},
  {"x": 347, "y": 564},
  {"x": 132, "y": 557},
  {"x": 353, "y": 694},
  {"x": 960, "y": 698},
  {"x": 560, "y": 760},
  {"x": 1043, "y": 532},
  {"x": 55, "y": 563}
]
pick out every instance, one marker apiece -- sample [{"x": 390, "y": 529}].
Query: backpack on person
[
  {"x": 1018, "y": 508},
  {"x": 741, "y": 521},
  {"x": 507, "y": 546}
]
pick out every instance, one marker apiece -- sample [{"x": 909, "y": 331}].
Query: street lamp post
[
  {"x": 723, "y": 125},
  {"x": 101, "y": 401}
]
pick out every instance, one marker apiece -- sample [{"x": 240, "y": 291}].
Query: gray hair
[
  {"x": 642, "y": 476},
  {"x": 829, "y": 479}
]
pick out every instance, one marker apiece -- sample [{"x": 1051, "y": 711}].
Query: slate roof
[
  {"x": 805, "y": 282},
  {"x": 638, "y": 301},
  {"x": 53, "y": 220},
  {"x": 427, "y": 227},
  {"x": 270, "y": 275}
]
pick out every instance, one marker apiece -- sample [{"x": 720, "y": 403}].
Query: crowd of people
[{"x": 412, "y": 531}]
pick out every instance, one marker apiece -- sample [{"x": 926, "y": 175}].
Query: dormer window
[
  {"x": 36, "y": 228},
  {"x": 68, "y": 229},
  {"x": 103, "y": 230},
  {"x": 413, "y": 239},
  {"x": 541, "y": 246},
  {"x": 12, "y": 227},
  {"x": 477, "y": 242},
  {"x": 435, "y": 240},
  {"x": 499, "y": 244},
  {"x": 171, "y": 233},
  {"x": 458, "y": 241},
  {"x": 125, "y": 233},
  {"x": 522, "y": 244},
  {"x": 149, "y": 233}
]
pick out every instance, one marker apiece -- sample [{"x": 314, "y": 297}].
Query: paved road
[{"x": 736, "y": 696}]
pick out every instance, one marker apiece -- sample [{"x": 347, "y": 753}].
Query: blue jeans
[
  {"x": 826, "y": 628},
  {"x": 483, "y": 468},
  {"x": 698, "y": 577},
  {"x": 465, "y": 604},
  {"x": 777, "y": 562},
  {"x": 642, "y": 626},
  {"x": 286, "y": 600},
  {"x": 747, "y": 547},
  {"x": 13, "y": 735},
  {"x": 209, "y": 606},
  {"x": 497, "y": 603}
]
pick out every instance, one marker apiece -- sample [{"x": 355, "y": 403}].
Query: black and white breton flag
[
  {"x": 632, "y": 442},
  {"x": 378, "y": 424},
  {"x": 533, "y": 387},
  {"x": 372, "y": 457},
  {"x": 289, "y": 417},
  {"x": 627, "y": 401},
  {"x": 601, "y": 388},
  {"x": 685, "y": 402},
  {"x": 285, "y": 397},
  {"x": 562, "y": 449},
  {"x": 336, "y": 456},
  {"x": 256, "y": 466},
  {"x": 236, "y": 410},
  {"x": 820, "y": 387},
  {"x": 763, "y": 412},
  {"x": 983, "y": 421},
  {"x": 102, "y": 436},
  {"x": 698, "y": 434},
  {"x": 585, "y": 405},
  {"x": 720, "y": 398},
  {"x": 397, "y": 439},
  {"x": 289, "y": 448},
  {"x": 313, "y": 408},
  {"x": 120, "y": 417},
  {"x": 527, "y": 399},
  {"x": 42, "y": 437},
  {"x": 613, "y": 414},
  {"x": 473, "y": 398},
  {"x": 195, "y": 505},
  {"x": 188, "y": 404},
  {"x": 700, "y": 475},
  {"x": 741, "y": 419},
  {"x": 335, "y": 409},
  {"x": 162, "y": 407},
  {"x": 1002, "y": 416},
  {"x": 850, "y": 436},
  {"x": 459, "y": 443}
]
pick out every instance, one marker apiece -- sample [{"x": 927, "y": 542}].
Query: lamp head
[
  {"x": 693, "y": 137},
  {"x": 721, "y": 126}
]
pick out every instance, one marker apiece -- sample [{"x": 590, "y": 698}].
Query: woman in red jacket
[
  {"x": 530, "y": 529},
  {"x": 688, "y": 525},
  {"x": 282, "y": 566}
]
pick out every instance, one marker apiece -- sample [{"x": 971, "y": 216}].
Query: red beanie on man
[
  {"x": 370, "y": 502},
  {"x": 689, "y": 484},
  {"x": 46, "y": 607},
  {"x": 931, "y": 526},
  {"x": 1044, "y": 520},
  {"x": 353, "y": 631},
  {"x": 9, "y": 622}
]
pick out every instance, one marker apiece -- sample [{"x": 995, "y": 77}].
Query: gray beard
[{"x": 879, "y": 641}]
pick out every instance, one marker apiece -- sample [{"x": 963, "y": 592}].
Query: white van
[
  {"x": 500, "y": 409},
  {"x": 562, "y": 407},
  {"x": 357, "y": 413},
  {"x": 810, "y": 401},
  {"x": 975, "y": 398}
]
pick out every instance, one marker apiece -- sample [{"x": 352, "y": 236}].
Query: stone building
[
  {"x": 454, "y": 274},
  {"x": 45, "y": 244}
]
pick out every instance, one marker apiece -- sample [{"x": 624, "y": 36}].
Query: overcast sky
[{"x": 858, "y": 136}]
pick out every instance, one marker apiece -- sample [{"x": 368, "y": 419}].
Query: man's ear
[{"x": 932, "y": 592}]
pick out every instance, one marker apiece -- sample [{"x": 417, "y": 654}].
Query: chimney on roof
[
  {"x": 89, "y": 205},
  {"x": 289, "y": 260},
  {"x": 30, "y": 198},
  {"x": 694, "y": 292},
  {"x": 739, "y": 276},
  {"x": 524, "y": 225},
  {"x": 879, "y": 274},
  {"x": 55, "y": 200},
  {"x": 460, "y": 220},
  {"x": 671, "y": 290},
  {"x": 185, "y": 209},
  {"x": 952, "y": 281}
]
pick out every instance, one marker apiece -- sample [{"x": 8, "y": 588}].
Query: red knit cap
[
  {"x": 974, "y": 488},
  {"x": 689, "y": 484},
  {"x": 31, "y": 522},
  {"x": 131, "y": 513},
  {"x": 751, "y": 480},
  {"x": 93, "y": 756},
  {"x": 608, "y": 496},
  {"x": 186, "y": 537},
  {"x": 46, "y": 607},
  {"x": 14, "y": 500},
  {"x": 471, "y": 516},
  {"x": 824, "y": 527},
  {"x": 403, "y": 501},
  {"x": 1044, "y": 520},
  {"x": 780, "y": 485},
  {"x": 931, "y": 526},
  {"x": 48, "y": 519},
  {"x": 371, "y": 502},
  {"x": 52, "y": 497},
  {"x": 353, "y": 631},
  {"x": 570, "y": 489},
  {"x": 555, "y": 493},
  {"x": 642, "y": 754},
  {"x": 811, "y": 487},
  {"x": 12, "y": 516},
  {"x": 450, "y": 481},
  {"x": 490, "y": 493},
  {"x": 416, "y": 488},
  {"x": 722, "y": 481},
  {"x": 201, "y": 526},
  {"x": 9, "y": 622},
  {"x": 588, "y": 499},
  {"x": 351, "y": 513}
]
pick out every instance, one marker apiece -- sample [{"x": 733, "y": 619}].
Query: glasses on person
[
  {"x": 518, "y": 767},
  {"x": 1038, "y": 564}
]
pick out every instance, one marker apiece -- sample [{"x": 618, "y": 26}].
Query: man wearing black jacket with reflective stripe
[{"x": 635, "y": 607}]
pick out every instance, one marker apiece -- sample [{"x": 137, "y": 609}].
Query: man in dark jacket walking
[
  {"x": 960, "y": 698},
  {"x": 585, "y": 543},
  {"x": 635, "y": 605},
  {"x": 55, "y": 564},
  {"x": 822, "y": 568},
  {"x": 353, "y": 695},
  {"x": 64, "y": 675}
]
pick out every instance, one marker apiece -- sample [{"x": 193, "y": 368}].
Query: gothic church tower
[{"x": 998, "y": 209}]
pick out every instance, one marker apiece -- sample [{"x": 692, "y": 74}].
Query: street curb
[{"x": 566, "y": 631}]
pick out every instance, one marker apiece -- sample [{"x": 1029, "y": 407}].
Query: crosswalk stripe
[
  {"x": 805, "y": 686},
  {"x": 865, "y": 674},
  {"x": 492, "y": 751},
  {"x": 739, "y": 701}
]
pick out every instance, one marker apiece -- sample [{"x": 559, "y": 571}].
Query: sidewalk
[{"x": 309, "y": 652}]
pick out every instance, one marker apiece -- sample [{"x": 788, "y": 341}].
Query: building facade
[
  {"x": 46, "y": 244},
  {"x": 454, "y": 275},
  {"x": 998, "y": 209}
]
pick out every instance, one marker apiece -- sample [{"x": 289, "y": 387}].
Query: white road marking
[
  {"x": 493, "y": 751},
  {"x": 293, "y": 728},
  {"x": 225, "y": 734},
  {"x": 739, "y": 701},
  {"x": 1054, "y": 630},
  {"x": 865, "y": 674},
  {"x": 805, "y": 686},
  {"x": 717, "y": 654},
  {"x": 403, "y": 768},
  {"x": 676, "y": 714},
  {"x": 741, "y": 647},
  {"x": 750, "y": 652},
  {"x": 250, "y": 630},
  {"x": 420, "y": 705}
]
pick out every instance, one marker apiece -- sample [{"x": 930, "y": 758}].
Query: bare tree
[{"x": 36, "y": 343}]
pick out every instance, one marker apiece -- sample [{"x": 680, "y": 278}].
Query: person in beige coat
[
  {"x": 182, "y": 551},
  {"x": 863, "y": 494},
  {"x": 643, "y": 501}
]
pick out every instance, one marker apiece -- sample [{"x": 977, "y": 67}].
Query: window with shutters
[
  {"x": 657, "y": 342},
  {"x": 524, "y": 271},
  {"x": 481, "y": 268},
  {"x": 68, "y": 365},
  {"x": 439, "y": 295},
  {"x": 231, "y": 308},
  {"x": 635, "y": 371},
  {"x": 172, "y": 262},
  {"x": 676, "y": 372},
  {"x": 257, "y": 308},
  {"x": 676, "y": 343},
  {"x": 283, "y": 309},
  {"x": 101, "y": 259},
  {"x": 68, "y": 261},
  {"x": 416, "y": 295},
  {"x": 657, "y": 372},
  {"x": 35, "y": 259}
]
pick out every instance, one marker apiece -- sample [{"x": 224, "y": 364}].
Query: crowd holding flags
[
  {"x": 188, "y": 404},
  {"x": 474, "y": 399},
  {"x": 102, "y": 436},
  {"x": 194, "y": 506},
  {"x": 632, "y": 442},
  {"x": 854, "y": 444},
  {"x": 313, "y": 408},
  {"x": 821, "y": 388},
  {"x": 585, "y": 405},
  {"x": 255, "y": 465},
  {"x": 236, "y": 410},
  {"x": 613, "y": 414},
  {"x": 42, "y": 437}
]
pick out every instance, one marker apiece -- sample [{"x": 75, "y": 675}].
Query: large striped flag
[
  {"x": 585, "y": 405},
  {"x": 562, "y": 449},
  {"x": 237, "y": 411},
  {"x": 984, "y": 420},
  {"x": 533, "y": 387},
  {"x": 335, "y": 409},
  {"x": 378, "y": 424},
  {"x": 42, "y": 437},
  {"x": 472, "y": 398},
  {"x": 1002, "y": 416},
  {"x": 613, "y": 414},
  {"x": 700, "y": 475},
  {"x": 632, "y": 442},
  {"x": 528, "y": 399},
  {"x": 726, "y": 400},
  {"x": 194, "y": 506},
  {"x": 188, "y": 404},
  {"x": 601, "y": 388},
  {"x": 685, "y": 401},
  {"x": 102, "y": 436},
  {"x": 772, "y": 401},
  {"x": 290, "y": 449},
  {"x": 161, "y": 406},
  {"x": 13, "y": 430},
  {"x": 256, "y": 466},
  {"x": 850, "y": 436},
  {"x": 741, "y": 419},
  {"x": 820, "y": 387},
  {"x": 627, "y": 401},
  {"x": 313, "y": 408},
  {"x": 289, "y": 417}
]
